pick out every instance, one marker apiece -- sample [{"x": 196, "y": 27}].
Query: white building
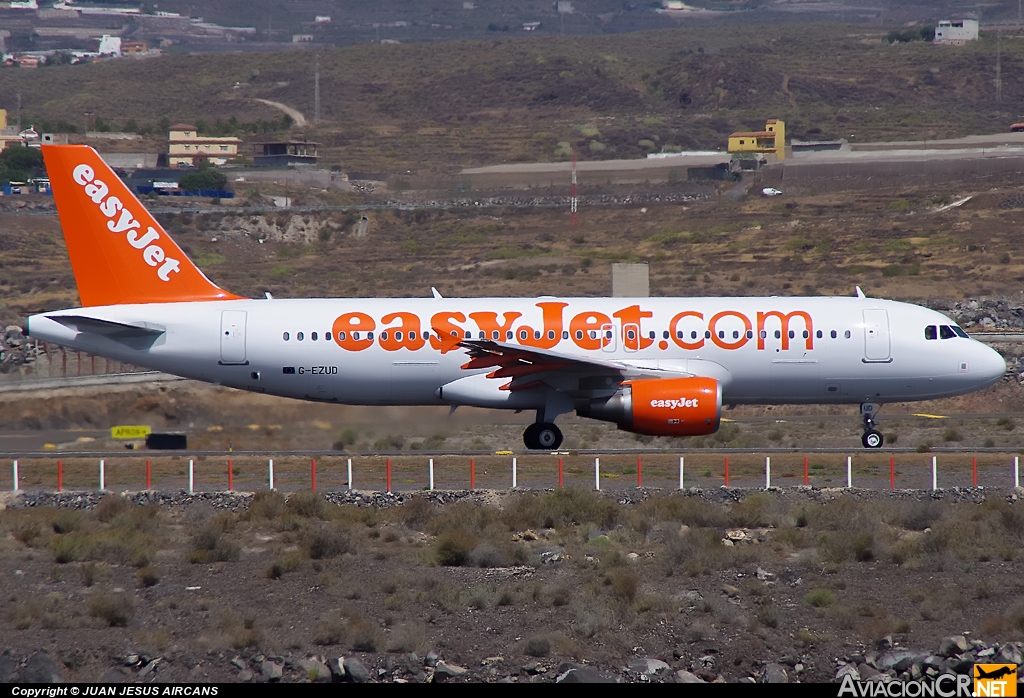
[
  {"x": 957, "y": 31},
  {"x": 110, "y": 45}
]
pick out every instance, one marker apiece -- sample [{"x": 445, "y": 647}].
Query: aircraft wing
[{"x": 528, "y": 367}]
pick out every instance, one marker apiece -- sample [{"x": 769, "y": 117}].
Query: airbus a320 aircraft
[{"x": 661, "y": 366}]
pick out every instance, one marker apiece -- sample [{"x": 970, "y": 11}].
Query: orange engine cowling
[{"x": 662, "y": 406}]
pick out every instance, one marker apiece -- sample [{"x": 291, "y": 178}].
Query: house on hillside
[
  {"x": 771, "y": 140},
  {"x": 284, "y": 153},
  {"x": 956, "y": 32},
  {"x": 185, "y": 147}
]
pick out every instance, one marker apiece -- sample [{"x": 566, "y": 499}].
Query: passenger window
[
  {"x": 631, "y": 334},
  {"x": 946, "y": 333},
  {"x": 778, "y": 334},
  {"x": 327, "y": 336},
  {"x": 819, "y": 334},
  {"x": 960, "y": 332},
  {"x": 750, "y": 334},
  {"x": 286, "y": 336},
  {"x": 593, "y": 334},
  {"x": 551, "y": 334},
  {"x": 313, "y": 336},
  {"x": 383, "y": 336},
  {"x": 608, "y": 334},
  {"x": 509, "y": 334},
  {"x": 652, "y": 334},
  {"x": 806, "y": 334},
  {"x": 495, "y": 334},
  {"x": 469, "y": 335},
  {"x": 735, "y": 334},
  {"x": 792, "y": 334},
  {"x": 721, "y": 334},
  {"x": 846, "y": 334},
  {"x": 398, "y": 336},
  {"x": 412, "y": 334},
  {"x": 834, "y": 334},
  {"x": 565, "y": 334},
  {"x": 523, "y": 334},
  {"x": 369, "y": 335},
  {"x": 707, "y": 334},
  {"x": 536, "y": 334},
  {"x": 664, "y": 335},
  {"x": 341, "y": 336},
  {"x": 579, "y": 334},
  {"x": 680, "y": 335},
  {"x": 763, "y": 334},
  {"x": 299, "y": 336},
  {"x": 693, "y": 335},
  {"x": 930, "y": 332}
]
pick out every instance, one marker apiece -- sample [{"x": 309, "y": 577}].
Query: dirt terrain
[{"x": 500, "y": 586}]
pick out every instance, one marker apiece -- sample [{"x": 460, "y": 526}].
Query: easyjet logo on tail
[{"x": 122, "y": 221}]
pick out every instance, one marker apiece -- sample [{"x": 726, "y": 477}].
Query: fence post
[
  {"x": 513, "y": 472},
  {"x": 849, "y": 471},
  {"x": 60, "y": 476},
  {"x": 231, "y": 477},
  {"x": 935, "y": 473},
  {"x": 807, "y": 479},
  {"x": 680, "y": 472},
  {"x": 974, "y": 470},
  {"x": 892, "y": 472},
  {"x": 191, "y": 476},
  {"x": 312, "y": 472},
  {"x": 559, "y": 473},
  {"x": 270, "y": 472},
  {"x": 430, "y": 470},
  {"x": 149, "y": 475},
  {"x": 472, "y": 473},
  {"x": 389, "y": 476},
  {"x": 350, "y": 474},
  {"x": 103, "y": 475},
  {"x": 767, "y": 472},
  {"x": 1016, "y": 471},
  {"x": 639, "y": 471},
  {"x": 727, "y": 471},
  {"x": 14, "y": 470},
  {"x": 597, "y": 474}
]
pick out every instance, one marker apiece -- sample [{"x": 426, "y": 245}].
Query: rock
[
  {"x": 848, "y": 669},
  {"x": 585, "y": 674},
  {"x": 41, "y": 668},
  {"x": 238, "y": 663},
  {"x": 131, "y": 660},
  {"x": 648, "y": 666},
  {"x": 271, "y": 671},
  {"x": 683, "y": 676},
  {"x": 147, "y": 670},
  {"x": 449, "y": 671},
  {"x": 933, "y": 660},
  {"x": 315, "y": 670},
  {"x": 891, "y": 658},
  {"x": 246, "y": 675},
  {"x": 955, "y": 645},
  {"x": 774, "y": 673},
  {"x": 114, "y": 674},
  {"x": 705, "y": 663},
  {"x": 551, "y": 555},
  {"x": 884, "y": 644},
  {"x": 431, "y": 659},
  {"x": 355, "y": 670},
  {"x": 337, "y": 669},
  {"x": 8, "y": 667},
  {"x": 632, "y": 557},
  {"x": 1009, "y": 654},
  {"x": 904, "y": 664},
  {"x": 765, "y": 576},
  {"x": 730, "y": 591}
]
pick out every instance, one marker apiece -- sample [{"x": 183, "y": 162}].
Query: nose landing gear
[
  {"x": 542, "y": 435},
  {"x": 872, "y": 438}
]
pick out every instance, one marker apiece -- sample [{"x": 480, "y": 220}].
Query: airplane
[{"x": 658, "y": 366}]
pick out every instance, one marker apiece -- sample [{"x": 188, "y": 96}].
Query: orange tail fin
[{"x": 119, "y": 253}]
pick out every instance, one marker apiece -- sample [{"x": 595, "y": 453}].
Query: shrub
[
  {"x": 115, "y": 608},
  {"x": 322, "y": 542},
  {"x": 266, "y": 504},
  {"x": 820, "y": 598},
  {"x": 624, "y": 583},
  {"x": 768, "y": 616},
  {"x": 211, "y": 543},
  {"x": 537, "y": 646},
  {"x": 453, "y": 549},
  {"x": 148, "y": 576},
  {"x": 68, "y": 521},
  {"x": 112, "y": 506},
  {"x": 308, "y": 504}
]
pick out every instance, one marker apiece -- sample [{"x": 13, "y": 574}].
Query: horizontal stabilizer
[{"x": 109, "y": 328}]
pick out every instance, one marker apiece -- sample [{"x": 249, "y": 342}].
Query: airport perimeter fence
[{"x": 616, "y": 472}]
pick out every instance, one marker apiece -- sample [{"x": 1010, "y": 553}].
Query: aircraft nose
[{"x": 990, "y": 364}]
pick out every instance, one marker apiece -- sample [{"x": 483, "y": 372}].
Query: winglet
[
  {"x": 119, "y": 253},
  {"x": 448, "y": 341},
  {"x": 860, "y": 294}
]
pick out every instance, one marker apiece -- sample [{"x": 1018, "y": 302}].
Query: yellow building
[
  {"x": 185, "y": 147},
  {"x": 771, "y": 140}
]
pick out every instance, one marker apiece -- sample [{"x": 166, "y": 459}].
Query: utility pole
[
  {"x": 316, "y": 92},
  {"x": 18, "y": 116},
  {"x": 999, "y": 67}
]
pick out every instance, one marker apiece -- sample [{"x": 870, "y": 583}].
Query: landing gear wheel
[
  {"x": 872, "y": 439},
  {"x": 542, "y": 435}
]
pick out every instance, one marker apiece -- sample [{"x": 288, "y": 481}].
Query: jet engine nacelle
[{"x": 662, "y": 406}]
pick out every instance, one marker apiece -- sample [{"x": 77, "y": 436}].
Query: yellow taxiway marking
[{"x": 931, "y": 416}]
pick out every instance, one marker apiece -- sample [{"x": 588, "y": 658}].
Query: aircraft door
[
  {"x": 232, "y": 337},
  {"x": 876, "y": 336},
  {"x": 608, "y": 335}
]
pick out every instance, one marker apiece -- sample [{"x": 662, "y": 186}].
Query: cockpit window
[
  {"x": 960, "y": 332},
  {"x": 946, "y": 332},
  {"x": 930, "y": 332}
]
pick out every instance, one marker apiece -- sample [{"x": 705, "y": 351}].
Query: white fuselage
[{"x": 762, "y": 350}]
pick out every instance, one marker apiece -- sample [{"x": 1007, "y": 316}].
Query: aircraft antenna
[{"x": 574, "y": 201}]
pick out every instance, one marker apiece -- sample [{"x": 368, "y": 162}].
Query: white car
[{"x": 769, "y": 191}]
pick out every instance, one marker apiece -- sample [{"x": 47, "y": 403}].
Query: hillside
[{"x": 436, "y": 107}]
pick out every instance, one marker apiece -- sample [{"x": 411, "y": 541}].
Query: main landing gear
[
  {"x": 542, "y": 435},
  {"x": 872, "y": 438}
]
